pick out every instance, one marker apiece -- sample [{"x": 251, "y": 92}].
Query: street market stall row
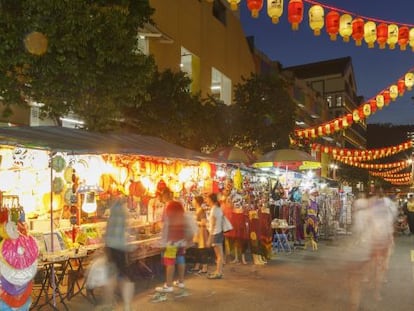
[{"x": 59, "y": 182}]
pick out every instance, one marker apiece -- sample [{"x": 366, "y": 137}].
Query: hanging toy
[{"x": 238, "y": 180}]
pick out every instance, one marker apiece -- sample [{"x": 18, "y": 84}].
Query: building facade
[{"x": 208, "y": 44}]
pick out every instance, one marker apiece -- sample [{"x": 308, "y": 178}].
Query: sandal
[{"x": 214, "y": 276}]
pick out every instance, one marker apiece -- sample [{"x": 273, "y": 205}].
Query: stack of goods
[{"x": 18, "y": 262}]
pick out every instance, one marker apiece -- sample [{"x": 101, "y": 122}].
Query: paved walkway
[{"x": 302, "y": 280}]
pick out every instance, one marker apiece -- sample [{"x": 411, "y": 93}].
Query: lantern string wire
[
  {"x": 365, "y": 102},
  {"x": 354, "y": 14}
]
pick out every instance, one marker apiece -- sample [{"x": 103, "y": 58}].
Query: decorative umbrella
[
  {"x": 233, "y": 155},
  {"x": 290, "y": 158}
]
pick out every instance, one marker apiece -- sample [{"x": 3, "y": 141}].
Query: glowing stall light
[
  {"x": 149, "y": 184},
  {"x": 89, "y": 203},
  {"x": 221, "y": 173},
  {"x": 28, "y": 202},
  {"x": 185, "y": 174}
]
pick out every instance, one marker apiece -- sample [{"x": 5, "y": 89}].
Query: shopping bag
[
  {"x": 99, "y": 273},
  {"x": 227, "y": 226}
]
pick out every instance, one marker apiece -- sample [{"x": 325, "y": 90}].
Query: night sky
[{"x": 374, "y": 69}]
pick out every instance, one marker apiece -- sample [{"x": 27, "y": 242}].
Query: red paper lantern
[
  {"x": 387, "y": 97},
  {"x": 295, "y": 13},
  {"x": 349, "y": 119},
  {"x": 403, "y": 33},
  {"x": 401, "y": 87},
  {"x": 332, "y": 24},
  {"x": 358, "y": 30},
  {"x": 373, "y": 105},
  {"x": 255, "y": 6},
  {"x": 382, "y": 35}
]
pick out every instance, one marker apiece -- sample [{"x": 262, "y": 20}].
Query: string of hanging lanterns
[
  {"x": 337, "y": 21},
  {"x": 363, "y": 111},
  {"x": 371, "y": 166},
  {"x": 362, "y": 155},
  {"x": 391, "y": 171}
]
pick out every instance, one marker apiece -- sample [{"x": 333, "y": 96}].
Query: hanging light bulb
[{"x": 89, "y": 203}]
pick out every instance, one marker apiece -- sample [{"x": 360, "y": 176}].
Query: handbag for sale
[{"x": 227, "y": 226}]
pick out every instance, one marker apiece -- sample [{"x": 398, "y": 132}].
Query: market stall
[{"x": 62, "y": 179}]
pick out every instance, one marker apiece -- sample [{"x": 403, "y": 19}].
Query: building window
[
  {"x": 142, "y": 45},
  {"x": 190, "y": 64},
  {"x": 219, "y": 11},
  {"x": 329, "y": 101},
  {"x": 338, "y": 101},
  {"x": 220, "y": 86}
]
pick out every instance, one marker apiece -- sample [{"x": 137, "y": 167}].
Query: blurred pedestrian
[
  {"x": 357, "y": 251},
  {"x": 117, "y": 236},
  {"x": 383, "y": 214},
  {"x": 176, "y": 235},
  {"x": 216, "y": 236},
  {"x": 410, "y": 212}
]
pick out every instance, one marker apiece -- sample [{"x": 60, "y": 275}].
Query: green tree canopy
[
  {"x": 264, "y": 113},
  {"x": 74, "y": 56}
]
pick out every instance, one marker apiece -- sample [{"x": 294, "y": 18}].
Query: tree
[
  {"x": 264, "y": 113},
  {"x": 79, "y": 56}
]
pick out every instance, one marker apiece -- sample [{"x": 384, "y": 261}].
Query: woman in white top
[{"x": 216, "y": 236}]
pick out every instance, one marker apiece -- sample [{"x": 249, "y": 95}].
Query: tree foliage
[
  {"x": 91, "y": 66},
  {"x": 264, "y": 113}
]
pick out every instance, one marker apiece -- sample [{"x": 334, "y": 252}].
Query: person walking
[
  {"x": 117, "y": 249},
  {"x": 216, "y": 236},
  {"x": 409, "y": 210},
  {"x": 176, "y": 235}
]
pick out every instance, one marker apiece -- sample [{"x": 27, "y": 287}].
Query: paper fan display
[
  {"x": 20, "y": 253},
  {"x": 8, "y": 230},
  {"x": 18, "y": 276},
  {"x": 16, "y": 301},
  {"x": 11, "y": 288},
  {"x": 5, "y": 307}
]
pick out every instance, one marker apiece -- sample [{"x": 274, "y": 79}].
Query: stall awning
[{"x": 76, "y": 141}]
